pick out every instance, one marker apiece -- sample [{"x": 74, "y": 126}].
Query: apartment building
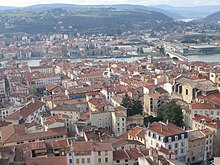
[
  {"x": 168, "y": 136},
  {"x": 119, "y": 120}
]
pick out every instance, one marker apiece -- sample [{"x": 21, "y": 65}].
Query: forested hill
[
  {"x": 105, "y": 20},
  {"x": 213, "y": 17}
]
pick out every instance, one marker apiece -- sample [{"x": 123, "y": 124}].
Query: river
[
  {"x": 36, "y": 62},
  {"x": 205, "y": 58}
]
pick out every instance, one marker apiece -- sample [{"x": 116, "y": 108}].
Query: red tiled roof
[
  {"x": 30, "y": 108},
  {"x": 202, "y": 106},
  {"x": 135, "y": 131},
  {"x": 215, "y": 123},
  {"x": 120, "y": 154},
  {"x": 103, "y": 146},
  {"x": 82, "y": 146},
  {"x": 55, "y": 160},
  {"x": 165, "y": 129}
]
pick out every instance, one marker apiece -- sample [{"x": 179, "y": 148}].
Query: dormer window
[
  {"x": 157, "y": 137},
  {"x": 176, "y": 137},
  {"x": 151, "y": 134},
  {"x": 169, "y": 139},
  {"x": 161, "y": 139},
  {"x": 182, "y": 136}
]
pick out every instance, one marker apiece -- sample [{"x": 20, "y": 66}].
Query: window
[
  {"x": 77, "y": 161},
  {"x": 106, "y": 160},
  {"x": 217, "y": 112},
  {"x": 151, "y": 134},
  {"x": 176, "y": 145},
  {"x": 118, "y": 161},
  {"x": 106, "y": 152},
  {"x": 182, "y": 136},
  {"x": 88, "y": 160},
  {"x": 126, "y": 160},
  {"x": 157, "y": 137},
  {"x": 169, "y": 139},
  {"x": 212, "y": 112},
  {"x": 176, "y": 137},
  {"x": 182, "y": 151},
  {"x": 187, "y": 92},
  {"x": 182, "y": 143},
  {"x": 99, "y": 153},
  {"x": 83, "y": 160},
  {"x": 170, "y": 147},
  {"x": 99, "y": 160},
  {"x": 70, "y": 161},
  {"x": 176, "y": 151}
]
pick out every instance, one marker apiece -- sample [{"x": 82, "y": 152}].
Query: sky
[{"x": 23, "y": 3}]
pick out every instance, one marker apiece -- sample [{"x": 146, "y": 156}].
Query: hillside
[
  {"x": 104, "y": 20},
  {"x": 190, "y": 12},
  {"x": 213, "y": 17}
]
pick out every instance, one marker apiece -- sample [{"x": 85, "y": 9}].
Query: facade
[
  {"x": 170, "y": 137},
  {"x": 101, "y": 119},
  {"x": 90, "y": 153},
  {"x": 202, "y": 122},
  {"x": 29, "y": 113},
  {"x": 215, "y": 77},
  {"x": 188, "y": 90},
  {"x": 3, "y": 93},
  {"x": 200, "y": 145},
  {"x": 43, "y": 69},
  {"x": 119, "y": 120},
  {"x": 153, "y": 103}
]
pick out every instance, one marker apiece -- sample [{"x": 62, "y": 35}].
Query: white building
[
  {"x": 168, "y": 136},
  {"x": 119, "y": 120}
]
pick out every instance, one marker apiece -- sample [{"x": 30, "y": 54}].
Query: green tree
[
  {"x": 133, "y": 106},
  {"x": 64, "y": 50},
  {"x": 173, "y": 113},
  {"x": 126, "y": 102},
  {"x": 137, "y": 107}
]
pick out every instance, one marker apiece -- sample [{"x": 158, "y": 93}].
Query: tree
[
  {"x": 126, "y": 102},
  {"x": 64, "y": 50},
  {"x": 137, "y": 107},
  {"x": 133, "y": 106},
  {"x": 173, "y": 113}
]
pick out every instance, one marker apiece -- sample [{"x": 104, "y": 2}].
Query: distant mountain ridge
[
  {"x": 171, "y": 11},
  {"x": 86, "y": 20},
  {"x": 213, "y": 17},
  {"x": 191, "y": 12},
  {"x": 117, "y": 6}
]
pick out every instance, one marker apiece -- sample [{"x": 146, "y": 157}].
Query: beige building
[
  {"x": 169, "y": 136},
  {"x": 90, "y": 153},
  {"x": 188, "y": 90},
  {"x": 101, "y": 119},
  {"x": 199, "y": 145},
  {"x": 135, "y": 120},
  {"x": 202, "y": 122},
  {"x": 119, "y": 120},
  {"x": 2, "y": 89},
  {"x": 215, "y": 77},
  {"x": 153, "y": 103},
  {"x": 47, "y": 69}
]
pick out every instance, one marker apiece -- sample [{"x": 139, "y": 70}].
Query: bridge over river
[{"x": 175, "y": 55}]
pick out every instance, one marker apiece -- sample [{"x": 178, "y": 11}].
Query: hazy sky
[{"x": 22, "y": 3}]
